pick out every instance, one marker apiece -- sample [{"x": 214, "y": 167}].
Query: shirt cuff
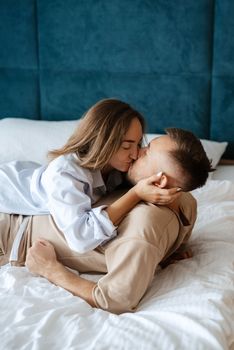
[{"x": 107, "y": 226}]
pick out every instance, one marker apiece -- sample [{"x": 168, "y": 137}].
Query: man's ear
[{"x": 163, "y": 181}]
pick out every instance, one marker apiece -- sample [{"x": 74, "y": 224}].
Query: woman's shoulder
[{"x": 69, "y": 164}]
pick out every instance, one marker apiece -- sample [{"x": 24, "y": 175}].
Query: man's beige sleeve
[{"x": 131, "y": 266}]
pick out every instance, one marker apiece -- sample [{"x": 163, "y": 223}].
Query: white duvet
[{"x": 190, "y": 304}]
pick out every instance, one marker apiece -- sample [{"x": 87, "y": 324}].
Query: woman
[{"x": 88, "y": 166}]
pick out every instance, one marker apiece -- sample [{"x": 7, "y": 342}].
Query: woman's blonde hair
[{"x": 99, "y": 133}]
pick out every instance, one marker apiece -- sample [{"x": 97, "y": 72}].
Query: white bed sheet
[
  {"x": 224, "y": 172},
  {"x": 190, "y": 305}
]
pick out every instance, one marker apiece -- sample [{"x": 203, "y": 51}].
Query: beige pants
[{"x": 146, "y": 236}]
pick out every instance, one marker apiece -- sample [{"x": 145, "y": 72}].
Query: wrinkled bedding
[{"x": 190, "y": 304}]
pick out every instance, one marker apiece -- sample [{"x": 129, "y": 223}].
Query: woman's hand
[{"x": 147, "y": 190}]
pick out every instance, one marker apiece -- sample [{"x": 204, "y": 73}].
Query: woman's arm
[
  {"x": 69, "y": 203},
  {"x": 145, "y": 190}
]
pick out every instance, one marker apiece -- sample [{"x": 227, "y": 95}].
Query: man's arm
[
  {"x": 118, "y": 291},
  {"x": 183, "y": 251},
  {"x": 41, "y": 259},
  {"x": 144, "y": 190}
]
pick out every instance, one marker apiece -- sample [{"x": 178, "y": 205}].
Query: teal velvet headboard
[{"x": 172, "y": 60}]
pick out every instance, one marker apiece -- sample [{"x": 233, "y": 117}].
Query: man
[{"x": 147, "y": 236}]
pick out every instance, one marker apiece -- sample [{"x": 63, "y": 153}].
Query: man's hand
[
  {"x": 177, "y": 256},
  {"x": 187, "y": 254},
  {"x": 41, "y": 258}
]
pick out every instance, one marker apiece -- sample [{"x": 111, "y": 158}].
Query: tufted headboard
[{"x": 172, "y": 60}]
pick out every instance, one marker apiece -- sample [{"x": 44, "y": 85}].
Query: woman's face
[{"x": 128, "y": 151}]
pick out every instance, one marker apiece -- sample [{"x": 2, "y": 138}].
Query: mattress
[{"x": 190, "y": 304}]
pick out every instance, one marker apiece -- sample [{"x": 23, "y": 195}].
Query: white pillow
[
  {"x": 213, "y": 149},
  {"x": 24, "y": 139}
]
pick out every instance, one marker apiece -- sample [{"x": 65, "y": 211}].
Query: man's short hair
[{"x": 191, "y": 158}]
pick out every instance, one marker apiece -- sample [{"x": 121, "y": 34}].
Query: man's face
[{"x": 155, "y": 158}]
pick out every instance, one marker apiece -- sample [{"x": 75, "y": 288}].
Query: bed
[
  {"x": 172, "y": 61},
  {"x": 190, "y": 304}
]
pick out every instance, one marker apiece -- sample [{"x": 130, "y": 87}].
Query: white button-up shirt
[{"x": 66, "y": 191}]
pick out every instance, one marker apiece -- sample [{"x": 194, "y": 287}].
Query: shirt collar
[
  {"x": 114, "y": 179},
  {"x": 97, "y": 179}
]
